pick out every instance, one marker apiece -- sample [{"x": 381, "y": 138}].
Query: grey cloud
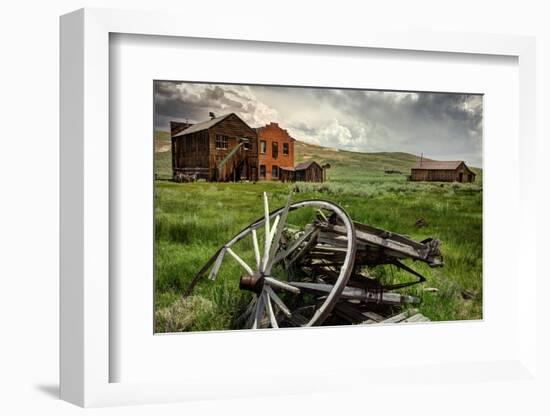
[{"x": 444, "y": 125}]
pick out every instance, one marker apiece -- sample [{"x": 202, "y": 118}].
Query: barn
[
  {"x": 220, "y": 149},
  {"x": 303, "y": 172},
  {"x": 442, "y": 171}
]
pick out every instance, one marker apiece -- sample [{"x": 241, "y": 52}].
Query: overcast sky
[{"x": 440, "y": 125}]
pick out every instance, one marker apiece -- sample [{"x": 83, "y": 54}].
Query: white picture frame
[{"x": 85, "y": 182}]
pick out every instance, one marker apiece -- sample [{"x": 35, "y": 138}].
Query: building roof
[
  {"x": 438, "y": 164},
  {"x": 204, "y": 125},
  {"x": 305, "y": 165}
]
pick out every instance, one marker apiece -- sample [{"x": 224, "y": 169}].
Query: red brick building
[{"x": 276, "y": 151}]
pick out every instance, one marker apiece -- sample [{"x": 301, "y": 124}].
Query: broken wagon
[{"x": 307, "y": 264}]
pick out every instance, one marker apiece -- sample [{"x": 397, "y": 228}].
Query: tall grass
[{"x": 193, "y": 220}]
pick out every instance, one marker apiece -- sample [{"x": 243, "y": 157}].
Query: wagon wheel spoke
[
  {"x": 267, "y": 243},
  {"x": 246, "y": 315},
  {"x": 278, "y": 301},
  {"x": 322, "y": 215},
  {"x": 217, "y": 264},
  {"x": 243, "y": 264},
  {"x": 259, "y": 313},
  {"x": 256, "y": 248},
  {"x": 277, "y": 235},
  {"x": 274, "y": 283},
  {"x": 270, "y": 313}
]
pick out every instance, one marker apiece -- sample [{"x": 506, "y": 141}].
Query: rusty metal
[{"x": 253, "y": 283}]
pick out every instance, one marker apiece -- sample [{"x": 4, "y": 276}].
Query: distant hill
[
  {"x": 162, "y": 141},
  {"x": 344, "y": 164},
  {"x": 379, "y": 161}
]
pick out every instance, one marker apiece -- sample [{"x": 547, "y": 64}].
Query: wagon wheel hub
[{"x": 253, "y": 283}]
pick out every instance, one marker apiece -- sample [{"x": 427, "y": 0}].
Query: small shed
[
  {"x": 442, "y": 171},
  {"x": 309, "y": 172},
  {"x": 304, "y": 172},
  {"x": 287, "y": 174}
]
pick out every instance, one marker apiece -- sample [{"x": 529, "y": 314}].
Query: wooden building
[
  {"x": 276, "y": 151},
  {"x": 220, "y": 149},
  {"x": 304, "y": 172},
  {"x": 442, "y": 171}
]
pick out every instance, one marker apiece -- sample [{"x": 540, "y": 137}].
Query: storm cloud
[{"x": 444, "y": 126}]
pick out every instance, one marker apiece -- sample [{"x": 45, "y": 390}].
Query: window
[
  {"x": 262, "y": 171},
  {"x": 247, "y": 144},
  {"x": 285, "y": 149},
  {"x": 263, "y": 147},
  {"x": 221, "y": 141},
  {"x": 275, "y": 172},
  {"x": 275, "y": 149}
]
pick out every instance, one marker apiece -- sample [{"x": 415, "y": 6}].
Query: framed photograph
[
  {"x": 303, "y": 203},
  {"x": 323, "y": 255}
]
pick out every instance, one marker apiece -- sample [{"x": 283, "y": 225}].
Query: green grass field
[{"x": 193, "y": 220}]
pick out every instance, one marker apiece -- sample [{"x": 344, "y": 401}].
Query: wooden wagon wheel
[{"x": 268, "y": 307}]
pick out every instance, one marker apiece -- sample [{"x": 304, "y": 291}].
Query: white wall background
[{"x": 29, "y": 177}]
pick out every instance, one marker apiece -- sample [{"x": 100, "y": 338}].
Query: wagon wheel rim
[{"x": 268, "y": 297}]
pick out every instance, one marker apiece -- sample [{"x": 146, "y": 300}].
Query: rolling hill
[
  {"x": 345, "y": 165},
  {"x": 342, "y": 158}
]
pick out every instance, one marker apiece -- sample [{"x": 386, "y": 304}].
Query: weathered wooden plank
[
  {"x": 399, "y": 317},
  {"x": 229, "y": 155},
  {"x": 270, "y": 313},
  {"x": 308, "y": 246},
  {"x": 348, "y": 312},
  {"x": 282, "y": 255},
  {"x": 243, "y": 264},
  {"x": 417, "y": 318},
  {"x": 267, "y": 244},
  {"x": 217, "y": 265},
  {"x": 298, "y": 319},
  {"x": 373, "y": 316},
  {"x": 256, "y": 248},
  {"x": 387, "y": 243},
  {"x": 404, "y": 317},
  {"x": 281, "y": 285},
  {"x": 259, "y": 313},
  {"x": 278, "y": 301},
  {"x": 277, "y": 235},
  {"x": 359, "y": 293},
  {"x": 247, "y": 314}
]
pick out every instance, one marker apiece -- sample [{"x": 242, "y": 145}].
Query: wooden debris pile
[{"x": 318, "y": 274}]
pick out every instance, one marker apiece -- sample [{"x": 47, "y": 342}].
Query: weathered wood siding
[
  {"x": 245, "y": 161},
  {"x": 197, "y": 153},
  {"x": 460, "y": 174},
  {"x": 190, "y": 154},
  {"x": 287, "y": 175},
  {"x": 314, "y": 173}
]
